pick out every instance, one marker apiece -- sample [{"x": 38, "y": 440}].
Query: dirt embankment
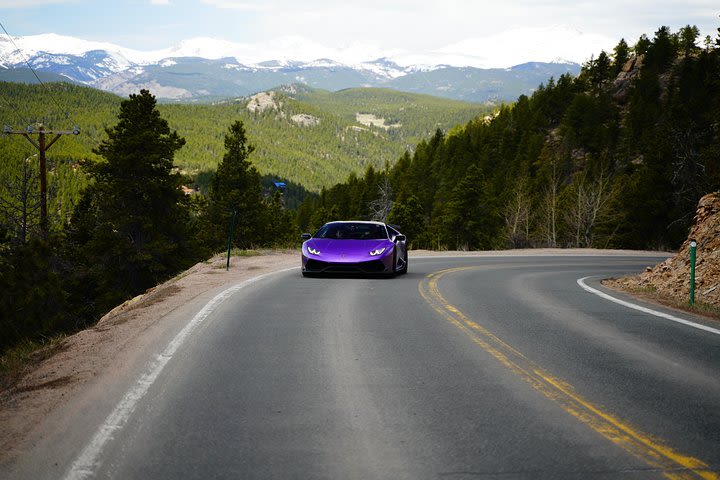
[{"x": 671, "y": 279}]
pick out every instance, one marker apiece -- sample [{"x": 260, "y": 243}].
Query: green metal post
[
  {"x": 693, "y": 246},
  {"x": 230, "y": 237}
]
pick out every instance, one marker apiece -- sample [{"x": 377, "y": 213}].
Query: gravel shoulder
[{"x": 107, "y": 356}]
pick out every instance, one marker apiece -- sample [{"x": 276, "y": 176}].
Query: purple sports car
[{"x": 355, "y": 247}]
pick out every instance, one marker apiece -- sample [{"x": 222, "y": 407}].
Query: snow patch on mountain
[
  {"x": 383, "y": 68},
  {"x": 323, "y": 63},
  {"x": 510, "y": 47},
  {"x": 223, "y": 68}
]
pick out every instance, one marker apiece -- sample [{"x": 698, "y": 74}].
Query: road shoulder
[{"x": 107, "y": 356}]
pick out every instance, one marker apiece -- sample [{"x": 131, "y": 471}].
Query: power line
[
  {"x": 15, "y": 109},
  {"x": 27, "y": 62}
]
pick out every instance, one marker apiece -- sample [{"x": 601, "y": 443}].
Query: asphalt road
[{"x": 464, "y": 368}]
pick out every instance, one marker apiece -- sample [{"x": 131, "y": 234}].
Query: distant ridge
[
  {"x": 25, "y": 75},
  {"x": 182, "y": 73}
]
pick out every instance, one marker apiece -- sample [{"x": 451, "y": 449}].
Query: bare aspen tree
[
  {"x": 381, "y": 206},
  {"x": 591, "y": 197},
  {"x": 517, "y": 215},
  {"x": 547, "y": 218}
]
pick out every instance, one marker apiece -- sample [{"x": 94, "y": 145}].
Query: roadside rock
[{"x": 671, "y": 278}]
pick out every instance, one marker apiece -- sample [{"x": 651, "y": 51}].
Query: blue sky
[{"x": 409, "y": 26}]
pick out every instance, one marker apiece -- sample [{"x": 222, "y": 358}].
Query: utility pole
[{"x": 42, "y": 145}]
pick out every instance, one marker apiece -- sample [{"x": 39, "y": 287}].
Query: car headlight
[
  {"x": 377, "y": 251},
  {"x": 313, "y": 251}
]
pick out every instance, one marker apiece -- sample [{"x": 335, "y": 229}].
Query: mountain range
[{"x": 205, "y": 70}]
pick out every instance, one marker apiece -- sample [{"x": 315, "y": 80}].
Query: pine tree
[
  {"x": 236, "y": 186},
  {"x": 409, "y": 216},
  {"x": 688, "y": 36},
  {"x": 642, "y": 45},
  {"x": 130, "y": 229},
  {"x": 469, "y": 220},
  {"x": 621, "y": 56},
  {"x": 279, "y": 230}
]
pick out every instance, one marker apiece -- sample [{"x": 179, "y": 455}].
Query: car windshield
[{"x": 352, "y": 231}]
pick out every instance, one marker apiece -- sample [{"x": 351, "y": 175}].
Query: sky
[{"x": 486, "y": 33}]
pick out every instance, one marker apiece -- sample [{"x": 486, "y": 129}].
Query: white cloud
[
  {"x": 238, "y": 5},
  {"x": 458, "y": 32},
  {"x": 31, "y": 3},
  {"x": 425, "y": 24},
  {"x": 518, "y": 45}
]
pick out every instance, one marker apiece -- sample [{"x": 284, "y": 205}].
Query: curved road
[{"x": 467, "y": 367}]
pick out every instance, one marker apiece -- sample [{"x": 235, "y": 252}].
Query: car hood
[{"x": 347, "y": 250}]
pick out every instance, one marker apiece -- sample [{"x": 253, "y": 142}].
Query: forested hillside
[
  {"x": 313, "y": 155},
  {"x": 617, "y": 157}
]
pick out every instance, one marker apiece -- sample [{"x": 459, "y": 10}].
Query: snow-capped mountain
[{"x": 205, "y": 68}]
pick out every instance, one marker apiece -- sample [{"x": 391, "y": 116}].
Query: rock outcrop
[
  {"x": 621, "y": 86},
  {"x": 671, "y": 278}
]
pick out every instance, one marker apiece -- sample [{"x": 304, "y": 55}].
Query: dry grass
[
  {"x": 15, "y": 362},
  {"x": 652, "y": 295}
]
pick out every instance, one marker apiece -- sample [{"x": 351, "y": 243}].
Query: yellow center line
[{"x": 651, "y": 451}]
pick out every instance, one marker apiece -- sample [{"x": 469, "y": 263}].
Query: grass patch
[
  {"x": 246, "y": 253},
  {"x": 15, "y": 361}
]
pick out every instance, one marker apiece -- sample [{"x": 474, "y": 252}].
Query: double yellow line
[{"x": 658, "y": 456}]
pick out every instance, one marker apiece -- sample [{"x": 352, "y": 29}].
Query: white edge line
[
  {"x": 581, "y": 282},
  {"x": 88, "y": 460}
]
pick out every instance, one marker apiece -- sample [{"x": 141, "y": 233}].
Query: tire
[
  {"x": 394, "y": 270},
  {"x": 404, "y": 269}
]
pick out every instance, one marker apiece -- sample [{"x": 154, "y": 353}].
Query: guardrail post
[
  {"x": 230, "y": 237},
  {"x": 693, "y": 247}
]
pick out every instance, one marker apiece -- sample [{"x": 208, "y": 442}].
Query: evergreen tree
[
  {"x": 469, "y": 220},
  {"x": 662, "y": 51},
  {"x": 409, "y": 216},
  {"x": 130, "y": 229},
  {"x": 642, "y": 45},
  {"x": 279, "y": 229},
  {"x": 20, "y": 200},
  {"x": 622, "y": 55},
  {"x": 33, "y": 295},
  {"x": 598, "y": 70},
  {"x": 688, "y": 37},
  {"x": 236, "y": 186}
]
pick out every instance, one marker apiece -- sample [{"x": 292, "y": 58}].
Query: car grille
[{"x": 373, "y": 266}]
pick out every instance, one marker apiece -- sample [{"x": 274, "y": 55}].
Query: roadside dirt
[{"x": 61, "y": 375}]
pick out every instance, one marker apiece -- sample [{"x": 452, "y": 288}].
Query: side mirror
[
  {"x": 306, "y": 236},
  {"x": 400, "y": 238}
]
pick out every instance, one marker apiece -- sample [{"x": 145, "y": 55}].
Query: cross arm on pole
[
  {"x": 42, "y": 146},
  {"x": 36, "y": 144}
]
